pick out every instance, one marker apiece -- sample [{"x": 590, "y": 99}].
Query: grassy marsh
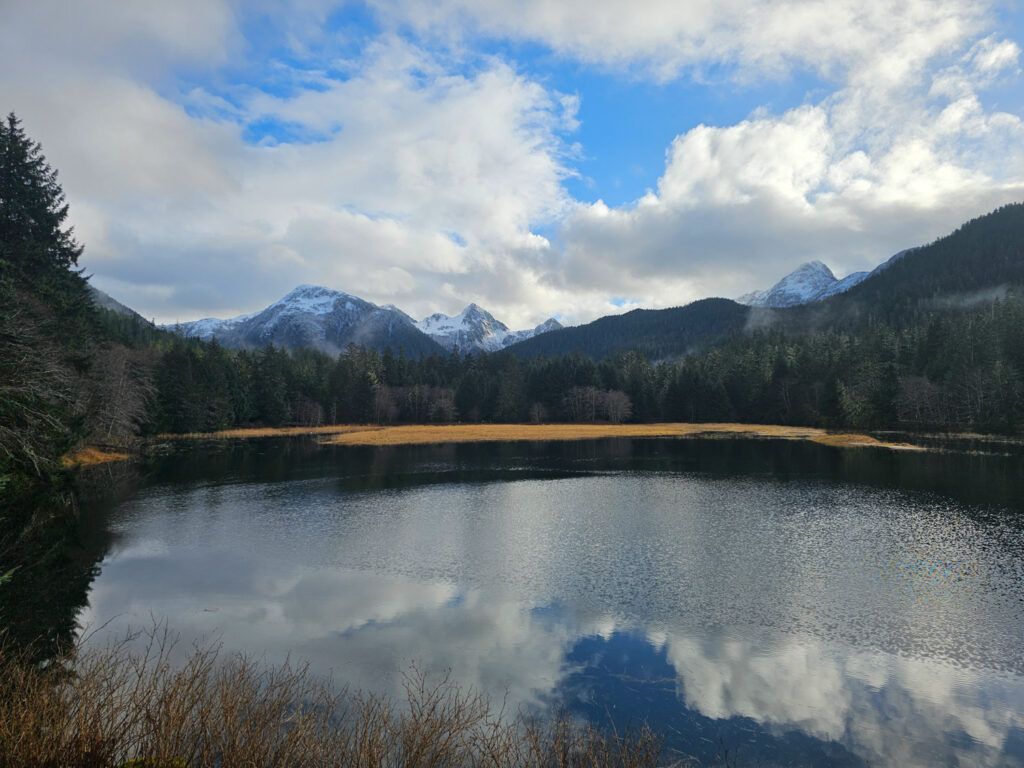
[{"x": 413, "y": 434}]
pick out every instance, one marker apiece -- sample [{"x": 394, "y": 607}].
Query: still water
[{"x": 790, "y": 603}]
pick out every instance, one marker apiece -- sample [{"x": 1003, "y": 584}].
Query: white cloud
[
  {"x": 665, "y": 37},
  {"x": 433, "y": 176},
  {"x": 849, "y": 180}
]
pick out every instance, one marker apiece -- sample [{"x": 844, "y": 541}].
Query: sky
[{"x": 539, "y": 158}]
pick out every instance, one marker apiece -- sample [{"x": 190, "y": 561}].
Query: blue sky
[{"x": 539, "y": 158}]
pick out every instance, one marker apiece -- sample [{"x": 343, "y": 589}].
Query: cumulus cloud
[
  {"x": 749, "y": 40},
  {"x": 411, "y": 168},
  {"x": 848, "y": 180}
]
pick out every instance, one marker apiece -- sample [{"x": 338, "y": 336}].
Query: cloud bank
[{"x": 216, "y": 154}]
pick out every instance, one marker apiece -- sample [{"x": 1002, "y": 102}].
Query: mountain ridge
[
  {"x": 981, "y": 255},
  {"x": 810, "y": 282},
  {"x": 476, "y": 329},
  {"x": 322, "y": 318}
]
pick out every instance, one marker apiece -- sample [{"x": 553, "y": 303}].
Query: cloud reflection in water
[{"x": 840, "y": 623}]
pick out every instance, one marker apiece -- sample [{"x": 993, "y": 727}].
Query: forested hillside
[
  {"x": 948, "y": 369},
  {"x": 656, "y": 333}
]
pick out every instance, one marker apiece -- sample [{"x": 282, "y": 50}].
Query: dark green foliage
[
  {"x": 657, "y": 333},
  {"x": 983, "y": 255},
  {"x": 47, "y": 322},
  {"x": 33, "y": 238},
  {"x": 50, "y": 396},
  {"x": 948, "y": 369}
]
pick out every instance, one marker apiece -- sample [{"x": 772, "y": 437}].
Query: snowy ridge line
[
  {"x": 812, "y": 281},
  {"x": 314, "y": 316}
]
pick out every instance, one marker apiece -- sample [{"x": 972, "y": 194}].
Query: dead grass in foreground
[
  {"x": 90, "y": 455},
  {"x": 119, "y": 707}
]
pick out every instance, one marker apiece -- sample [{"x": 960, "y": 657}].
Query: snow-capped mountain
[
  {"x": 809, "y": 282},
  {"x": 476, "y": 330},
  {"x": 321, "y": 318},
  {"x": 317, "y": 317}
]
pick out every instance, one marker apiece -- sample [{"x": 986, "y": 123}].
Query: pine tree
[{"x": 33, "y": 236}]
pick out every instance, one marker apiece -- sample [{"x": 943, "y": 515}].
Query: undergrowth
[{"x": 128, "y": 706}]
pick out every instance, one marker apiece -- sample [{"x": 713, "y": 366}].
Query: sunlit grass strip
[
  {"x": 244, "y": 433},
  {"x": 416, "y": 434},
  {"x": 469, "y": 433},
  {"x": 89, "y": 455},
  {"x": 126, "y": 706}
]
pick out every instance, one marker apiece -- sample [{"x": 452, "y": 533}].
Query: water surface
[{"x": 792, "y": 603}]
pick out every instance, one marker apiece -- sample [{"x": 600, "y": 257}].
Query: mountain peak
[
  {"x": 551, "y": 324},
  {"x": 813, "y": 267},
  {"x": 306, "y": 290},
  {"x": 475, "y": 329},
  {"x": 316, "y": 317},
  {"x": 473, "y": 309},
  {"x": 811, "y": 281}
]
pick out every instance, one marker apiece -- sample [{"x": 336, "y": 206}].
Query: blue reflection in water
[{"x": 627, "y": 680}]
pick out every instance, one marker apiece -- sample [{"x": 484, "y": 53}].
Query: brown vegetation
[
  {"x": 120, "y": 707},
  {"x": 466, "y": 433},
  {"x": 89, "y": 455},
  {"x": 417, "y": 434},
  {"x": 245, "y": 433}
]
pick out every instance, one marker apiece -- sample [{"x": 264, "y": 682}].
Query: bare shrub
[{"x": 122, "y": 706}]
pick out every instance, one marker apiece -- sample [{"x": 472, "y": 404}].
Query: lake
[{"x": 791, "y": 603}]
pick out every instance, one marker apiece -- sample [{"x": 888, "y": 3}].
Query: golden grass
[
  {"x": 90, "y": 455},
  {"x": 471, "y": 433},
  {"x": 123, "y": 707},
  {"x": 420, "y": 434},
  {"x": 255, "y": 432}
]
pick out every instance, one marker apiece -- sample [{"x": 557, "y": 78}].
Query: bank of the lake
[{"x": 419, "y": 434}]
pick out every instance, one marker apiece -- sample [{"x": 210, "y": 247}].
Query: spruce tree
[{"x": 33, "y": 236}]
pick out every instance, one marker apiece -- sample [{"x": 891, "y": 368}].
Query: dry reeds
[
  {"x": 132, "y": 708},
  {"x": 89, "y": 455},
  {"x": 469, "y": 433}
]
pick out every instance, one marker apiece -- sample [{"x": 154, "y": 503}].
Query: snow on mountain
[
  {"x": 804, "y": 284},
  {"x": 841, "y": 286},
  {"x": 317, "y": 317},
  {"x": 548, "y": 325},
  {"x": 476, "y": 330},
  {"x": 809, "y": 282},
  {"x": 207, "y": 328}
]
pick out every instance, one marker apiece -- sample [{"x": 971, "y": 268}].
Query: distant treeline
[{"x": 947, "y": 369}]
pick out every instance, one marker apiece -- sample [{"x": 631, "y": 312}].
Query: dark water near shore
[{"x": 790, "y": 603}]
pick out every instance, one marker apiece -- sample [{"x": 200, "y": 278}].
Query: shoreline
[
  {"x": 426, "y": 434},
  {"x": 421, "y": 434}
]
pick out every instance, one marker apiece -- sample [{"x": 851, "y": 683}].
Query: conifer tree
[{"x": 33, "y": 211}]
